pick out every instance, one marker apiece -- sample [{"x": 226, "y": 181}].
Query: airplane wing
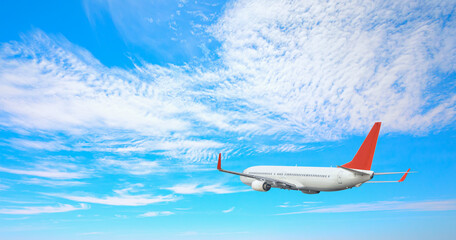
[
  {"x": 400, "y": 180},
  {"x": 271, "y": 181}
]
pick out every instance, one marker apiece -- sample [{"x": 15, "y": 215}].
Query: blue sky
[{"x": 112, "y": 114}]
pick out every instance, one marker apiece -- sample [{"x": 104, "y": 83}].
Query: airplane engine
[{"x": 260, "y": 186}]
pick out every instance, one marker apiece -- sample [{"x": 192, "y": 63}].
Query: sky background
[{"x": 112, "y": 114}]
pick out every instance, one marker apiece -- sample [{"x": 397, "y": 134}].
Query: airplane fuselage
[{"x": 310, "y": 179}]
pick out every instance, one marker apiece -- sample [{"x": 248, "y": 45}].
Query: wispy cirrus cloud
[
  {"x": 228, "y": 210},
  {"x": 322, "y": 71},
  {"x": 286, "y": 71},
  {"x": 40, "y": 145},
  {"x": 43, "y": 209},
  {"x": 195, "y": 188},
  {"x": 122, "y": 197},
  {"x": 436, "y": 205},
  {"x": 45, "y": 173},
  {"x": 288, "y": 147},
  {"x": 3, "y": 187},
  {"x": 51, "y": 183},
  {"x": 156, "y": 214},
  {"x": 303, "y": 204},
  {"x": 59, "y": 168},
  {"x": 151, "y": 108},
  {"x": 135, "y": 166}
]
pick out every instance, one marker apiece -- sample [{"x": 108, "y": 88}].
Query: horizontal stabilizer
[
  {"x": 381, "y": 181},
  {"x": 400, "y": 180},
  {"x": 388, "y": 173}
]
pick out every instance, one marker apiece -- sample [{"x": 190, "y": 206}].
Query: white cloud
[
  {"x": 178, "y": 148},
  {"x": 228, "y": 210},
  {"x": 135, "y": 166},
  {"x": 18, "y": 202},
  {"x": 303, "y": 204},
  {"x": 44, "y": 209},
  {"x": 51, "y": 167},
  {"x": 125, "y": 200},
  {"x": 41, "y": 145},
  {"x": 123, "y": 197},
  {"x": 156, "y": 214},
  {"x": 182, "y": 209},
  {"x": 82, "y": 95},
  {"x": 46, "y": 173},
  {"x": 3, "y": 187},
  {"x": 294, "y": 71},
  {"x": 51, "y": 183},
  {"x": 440, "y": 205},
  {"x": 195, "y": 188},
  {"x": 318, "y": 70},
  {"x": 150, "y": 108},
  {"x": 288, "y": 147}
]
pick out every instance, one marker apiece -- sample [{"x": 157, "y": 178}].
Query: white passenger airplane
[{"x": 313, "y": 180}]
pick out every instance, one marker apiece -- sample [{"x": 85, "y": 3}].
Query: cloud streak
[
  {"x": 303, "y": 204},
  {"x": 47, "y": 173},
  {"x": 440, "y": 205},
  {"x": 135, "y": 167},
  {"x": 3, "y": 187},
  {"x": 44, "y": 209},
  {"x": 156, "y": 214},
  {"x": 52, "y": 183},
  {"x": 123, "y": 197},
  {"x": 228, "y": 210},
  {"x": 39, "y": 145},
  {"x": 194, "y": 188}
]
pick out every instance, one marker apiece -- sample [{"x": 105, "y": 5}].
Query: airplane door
[{"x": 339, "y": 177}]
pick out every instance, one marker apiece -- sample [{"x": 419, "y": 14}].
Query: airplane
[{"x": 313, "y": 180}]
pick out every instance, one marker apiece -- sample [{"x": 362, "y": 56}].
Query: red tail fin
[{"x": 365, "y": 154}]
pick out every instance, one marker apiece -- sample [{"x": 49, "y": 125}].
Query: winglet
[
  {"x": 219, "y": 165},
  {"x": 405, "y": 175}
]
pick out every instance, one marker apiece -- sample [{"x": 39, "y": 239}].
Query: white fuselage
[{"x": 311, "y": 178}]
